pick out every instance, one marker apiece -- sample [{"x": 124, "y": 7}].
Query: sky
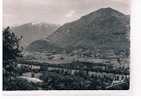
[{"x": 17, "y": 12}]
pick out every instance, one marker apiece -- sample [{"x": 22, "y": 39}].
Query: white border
[
  {"x": 136, "y": 46},
  {"x": 135, "y": 66},
  {"x": 69, "y": 93},
  {"x": 1, "y": 12}
]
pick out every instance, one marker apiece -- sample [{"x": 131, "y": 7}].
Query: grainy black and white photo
[{"x": 66, "y": 45}]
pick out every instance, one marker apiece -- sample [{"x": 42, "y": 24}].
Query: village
[{"x": 61, "y": 66}]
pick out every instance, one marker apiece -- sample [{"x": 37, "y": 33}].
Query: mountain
[
  {"x": 34, "y": 31},
  {"x": 105, "y": 28}
]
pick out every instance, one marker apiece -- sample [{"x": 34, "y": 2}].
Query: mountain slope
[
  {"x": 104, "y": 28},
  {"x": 34, "y": 31}
]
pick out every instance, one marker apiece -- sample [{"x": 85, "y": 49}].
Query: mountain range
[
  {"x": 33, "y": 31},
  {"x": 105, "y": 28}
]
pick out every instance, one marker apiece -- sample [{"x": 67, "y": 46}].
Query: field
[{"x": 69, "y": 73}]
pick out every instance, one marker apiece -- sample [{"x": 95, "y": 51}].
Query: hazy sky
[{"x": 16, "y": 12}]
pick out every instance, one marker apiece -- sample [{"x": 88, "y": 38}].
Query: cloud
[
  {"x": 54, "y": 11},
  {"x": 70, "y": 14},
  {"x": 122, "y": 1}
]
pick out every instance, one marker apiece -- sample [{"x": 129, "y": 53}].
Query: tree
[{"x": 11, "y": 51}]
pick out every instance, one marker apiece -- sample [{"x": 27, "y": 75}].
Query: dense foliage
[
  {"x": 60, "y": 80},
  {"x": 11, "y": 51}
]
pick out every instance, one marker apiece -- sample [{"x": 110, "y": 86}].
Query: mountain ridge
[
  {"x": 105, "y": 27},
  {"x": 33, "y": 31}
]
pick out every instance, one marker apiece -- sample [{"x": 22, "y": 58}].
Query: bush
[{"x": 11, "y": 51}]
